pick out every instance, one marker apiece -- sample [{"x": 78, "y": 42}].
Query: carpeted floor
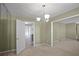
[
  {"x": 63, "y": 48},
  {"x": 11, "y": 53}
]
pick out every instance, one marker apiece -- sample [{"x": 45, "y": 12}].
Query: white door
[{"x": 20, "y": 36}]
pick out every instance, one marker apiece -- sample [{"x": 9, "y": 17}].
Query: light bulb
[
  {"x": 47, "y": 16},
  {"x": 38, "y": 18}
]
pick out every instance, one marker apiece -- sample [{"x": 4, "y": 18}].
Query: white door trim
[{"x": 52, "y": 43}]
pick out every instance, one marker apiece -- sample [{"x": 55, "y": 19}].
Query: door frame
[
  {"x": 33, "y": 23},
  {"x": 33, "y": 32}
]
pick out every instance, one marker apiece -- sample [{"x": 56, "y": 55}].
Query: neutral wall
[
  {"x": 71, "y": 31},
  {"x": 58, "y": 32},
  {"x": 37, "y": 33},
  {"x": 45, "y": 33}
]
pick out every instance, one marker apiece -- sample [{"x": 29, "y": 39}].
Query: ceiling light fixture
[
  {"x": 46, "y": 16},
  {"x": 38, "y": 18}
]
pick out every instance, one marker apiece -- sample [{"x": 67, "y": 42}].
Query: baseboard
[
  {"x": 8, "y": 51},
  {"x": 43, "y": 44}
]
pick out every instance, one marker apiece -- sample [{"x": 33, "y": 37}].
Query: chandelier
[{"x": 46, "y": 16}]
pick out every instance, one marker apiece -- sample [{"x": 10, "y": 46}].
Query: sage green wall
[
  {"x": 7, "y": 34},
  {"x": 58, "y": 32},
  {"x": 7, "y": 30},
  {"x": 71, "y": 31},
  {"x": 3, "y": 35}
]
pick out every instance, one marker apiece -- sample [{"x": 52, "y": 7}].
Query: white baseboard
[
  {"x": 42, "y": 44},
  {"x": 8, "y": 51}
]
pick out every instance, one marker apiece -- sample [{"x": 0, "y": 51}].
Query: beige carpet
[{"x": 63, "y": 48}]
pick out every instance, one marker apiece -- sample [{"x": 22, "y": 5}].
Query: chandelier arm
[{"x": 46, "y": 16}]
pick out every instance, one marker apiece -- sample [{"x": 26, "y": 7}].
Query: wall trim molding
[
  {"x": 66, "y": 18},
  {"x": 8, "y": 51}
]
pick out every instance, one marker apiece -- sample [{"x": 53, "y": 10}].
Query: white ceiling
[
  {"x": 70, "y": 20},
  {"x": 34, "y": 10}
]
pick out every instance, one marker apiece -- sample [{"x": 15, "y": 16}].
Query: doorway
[
  {"x": 29, "y": 34},
  {"x": 25, "y": 35}
]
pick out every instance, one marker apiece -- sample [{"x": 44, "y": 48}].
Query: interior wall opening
[
  {"x": 66, "y": 32},
  {"x": 29, "y": 34}
]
